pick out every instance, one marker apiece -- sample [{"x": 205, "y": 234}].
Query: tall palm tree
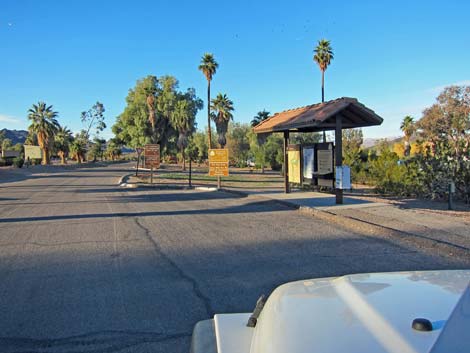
[
  {"x": 44, "y": 124},
  {"x": 223, "y": 108},
  {"x": 208, "y": 67},
  {"x": 408, "y": 128},
  {"x": 62, "y": 141},
  {"x": 323, "y": 56},
  {"x": 258, "y": 118}
]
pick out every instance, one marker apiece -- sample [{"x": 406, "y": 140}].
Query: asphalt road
[{"x": 88, "y": 267}]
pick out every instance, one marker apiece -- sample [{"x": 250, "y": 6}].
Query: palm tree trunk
[
  {"x": 323, "y": 86},
  {"x": 62, "y": 157},
  {"x": 209, "y": 113},
  {"x": 44, "y": 156}
]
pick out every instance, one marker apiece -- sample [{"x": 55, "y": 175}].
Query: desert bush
[{"x": 18, "y": 162}]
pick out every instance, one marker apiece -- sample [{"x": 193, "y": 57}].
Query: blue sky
[{"x": 394, "y": 56}]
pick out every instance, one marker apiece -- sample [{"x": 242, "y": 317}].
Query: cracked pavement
[{"x": 88, "y": 267}]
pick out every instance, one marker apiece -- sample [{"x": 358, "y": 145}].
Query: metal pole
[
  {"x": 286, "y": 167},
  {"x": 339, "y": 154},
  {"x": 190, "y": 173},
  {"x": 137, "y": 170}
]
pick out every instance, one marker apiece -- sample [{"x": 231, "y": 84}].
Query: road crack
[{"x": 196, "y": 289}]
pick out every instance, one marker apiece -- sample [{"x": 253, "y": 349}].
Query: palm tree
[
  {"x": 408, "y": 128},
  {"x": 44, "y": 124},
  {"x": 62, "y": 140},
  {"x": 258, "y": 118},
  {"x": 223, "y": 108},
  {"x": 208, "y": 67},
  {"x": 113, "y": 148},
  {"x": 183, "y": 118},
  {"x": 78, "y": 147},
  {"x": 323, "y": 56},
  {"x": 181, "y": 121}
]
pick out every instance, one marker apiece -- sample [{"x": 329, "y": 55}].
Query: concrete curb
[
  {"x": 372, "y": 229},
  {"x": 123, "y": 180}
]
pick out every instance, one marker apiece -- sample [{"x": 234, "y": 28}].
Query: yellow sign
[
  {"x": 293, "y": 157},
  {"x": 218, "y": 162}
]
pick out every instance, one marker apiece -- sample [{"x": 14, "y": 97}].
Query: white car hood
[{"x": 358, "y": 313}]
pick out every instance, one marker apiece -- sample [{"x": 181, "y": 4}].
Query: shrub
[{"x": 18, "y": 162}]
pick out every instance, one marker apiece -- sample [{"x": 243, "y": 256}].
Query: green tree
[
  {"x": 238, "y": 143},
  {"x": 62, "y": 141},
  {"x": 2, "y": 137},
  {"x": 408, "y": 128},
  {"x": 352, "y": 142},
  {"x": 323, "y": 56},
  {"x": 78, "y": 147},
  {"x": 31, "y": 139},
  {"x": 273, "y": 148},
  {"x": 6, "y": 144},
  {"x": 93, "y": 118},
  {"x": 259, "y": 117},
  {"x": 113, "y": 148},
  {"x": 257, "y": 149},
  {"x": 223, "y": 108},
  {"x": 445, "y": 128},
  {"x": 133, "y": 126},
  {"x": 183, "y": 118},
  {"x": 393, "y": 177},
  {"x": 198, "y": 146},
  {"x": 208, "y": 66},
  {"x": 44, "y": 125},
  {"x": 167, "y": 96},
  {"x": 97, "y": 148}
]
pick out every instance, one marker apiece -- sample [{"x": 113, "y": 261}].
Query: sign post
[
  {"x": 152, "y": 158},
  {"x": 218, "y": 164},
  {"x": 139, "y": 151}
]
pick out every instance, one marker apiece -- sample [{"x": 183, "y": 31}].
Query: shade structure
[
  {"x": 321, "y": 117},
  {"x": 337, "y": 114}
]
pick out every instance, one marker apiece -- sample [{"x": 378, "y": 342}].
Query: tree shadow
[
  {"x": 165, "y": 288},
  {"x": 257, "y": 206}
]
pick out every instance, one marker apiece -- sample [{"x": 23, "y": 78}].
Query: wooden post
[
  {"x": 151, "y": 174},
  {"x": 219, "y": 183},
  {"x": 286, "y": 167},
  {"x": 338, "y": 154}
]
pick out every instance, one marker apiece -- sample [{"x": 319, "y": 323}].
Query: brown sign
[
  {"x": 152, "y": 156},
  {"x": 218, "y": 162}
]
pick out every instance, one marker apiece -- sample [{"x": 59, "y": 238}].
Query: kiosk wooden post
[
  {"x": 286, "y": 167},
  {"x": 338, "y": 154}
]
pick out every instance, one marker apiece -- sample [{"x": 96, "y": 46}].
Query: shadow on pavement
[
  {"x": 166, "y": 289},
  {"x": 259, "y": 206}
]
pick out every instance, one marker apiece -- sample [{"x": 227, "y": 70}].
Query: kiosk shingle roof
[{"x": 321, "y": 116}]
